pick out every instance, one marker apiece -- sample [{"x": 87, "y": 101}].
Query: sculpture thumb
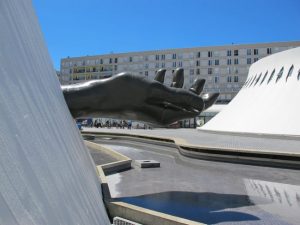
[{"x": 210, "y": 99}]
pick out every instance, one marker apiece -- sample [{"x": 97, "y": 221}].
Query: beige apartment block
[{"x": 225, "y": 68}]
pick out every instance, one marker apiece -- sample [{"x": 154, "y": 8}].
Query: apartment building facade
[{"x": 225, "y": 68}]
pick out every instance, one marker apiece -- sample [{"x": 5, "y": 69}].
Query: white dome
[{"x": 264, "y": 105}]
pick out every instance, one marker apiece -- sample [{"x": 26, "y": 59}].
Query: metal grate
[{"x": 121, "y": 221}]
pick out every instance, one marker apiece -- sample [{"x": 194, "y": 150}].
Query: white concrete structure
[
  {"x": 268, "y": 103},
  {"x": 47, "y": 175}
]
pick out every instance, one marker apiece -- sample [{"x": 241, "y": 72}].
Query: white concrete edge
[
  {"x": 148, "y": 216},
  {"x": 108, "y": 151}
]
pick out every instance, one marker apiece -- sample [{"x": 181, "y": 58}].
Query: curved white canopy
[{"x": 265, "y": 105}]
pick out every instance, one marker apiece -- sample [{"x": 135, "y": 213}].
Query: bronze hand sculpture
[{"x": 126, "y": 96}]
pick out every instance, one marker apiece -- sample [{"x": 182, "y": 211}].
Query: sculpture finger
[
  {"x": 178, "y": 78},
  {"x": 160, "y": 75},
  {"x": 178, "y": 97},
  {"x": 197, "y": 86},
  {"x": 209, "y": 99}
]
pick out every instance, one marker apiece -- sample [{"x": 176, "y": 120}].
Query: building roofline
[{"x": 171, "y": 50}]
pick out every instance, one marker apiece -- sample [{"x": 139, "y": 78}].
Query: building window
[
  {"x": 198, "y": 63},
  {"x": 216, "y": 62},
  {"x": 255, "y": 51},
  {"x": 116, "y": 67},
  {"x": 279, "y": 75},
  {"x": 298, "y": 76},
  {"x": 209, "y": 62},
  {"x": 228, "y": 61},
  {"x": 180, "y": 64},
  {"x": 290, "y": 72},
  {"x": 156, "y": 57},
  {"x": 236, "y": 61},
  {"x": 130, "y": 59},
  {"x": 101, "y": 61},
  {"x": 174, "y": 56},
  {"x": 209, "y": 54},
  {"x": 228, "y": 52},
  {"x": 236, "y": 79},
  {"x": 110, "y": 60},
  {"x": 198, "y": 54},
  {"x": 271, "y": 77},
  {"x": 191, "y": 71},
  {"x": 264, "y": 78},
  {"x": 248, "y": 51},
  {"x": 236, "y": 70},
  {"x": 248, "y": 61},
  {"x": 236, "y": 52},
  {"x": 269, "y": 51},
  {"x": 216, "y": 80},
  {"x": 198, "y": 71},
  {"x": 209, "y": 70},
  {"x": 163, "y": 57},
  {"x": 146, "y": 66},
  {"x": 146, "y": 73},
  {"x": 163, "y": 65},
  {"x": 174, "y": 64},
  {"x": 116, "y": 60},
  {"x": 229, "y": 70},
  {"x": 255, "y": 59},
  {"x": 229, "y": 79}
]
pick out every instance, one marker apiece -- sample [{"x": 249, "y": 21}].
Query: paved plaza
[
  {"x": 204, "y": 191},
  {"x": 274, "y": 144}
]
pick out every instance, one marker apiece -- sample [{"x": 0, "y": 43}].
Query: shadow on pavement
[{"x": 206, "y": 207}]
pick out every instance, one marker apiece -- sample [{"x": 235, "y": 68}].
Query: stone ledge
[{"x": 145, "y": 216}]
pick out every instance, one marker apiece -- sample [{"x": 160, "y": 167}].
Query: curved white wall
[
  {"x": 270, "y": 108},
  {"x": 46, "y": 174}
]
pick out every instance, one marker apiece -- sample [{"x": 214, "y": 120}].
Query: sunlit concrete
[
  {"x": 205, "y": 191},
  {"x": 47, "y": 176},
  {"x": 268, "y": 103},
  {"x": 237, "y": 141}
]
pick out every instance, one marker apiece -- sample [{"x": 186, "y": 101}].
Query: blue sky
[{"x": 90, "y": 27}]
